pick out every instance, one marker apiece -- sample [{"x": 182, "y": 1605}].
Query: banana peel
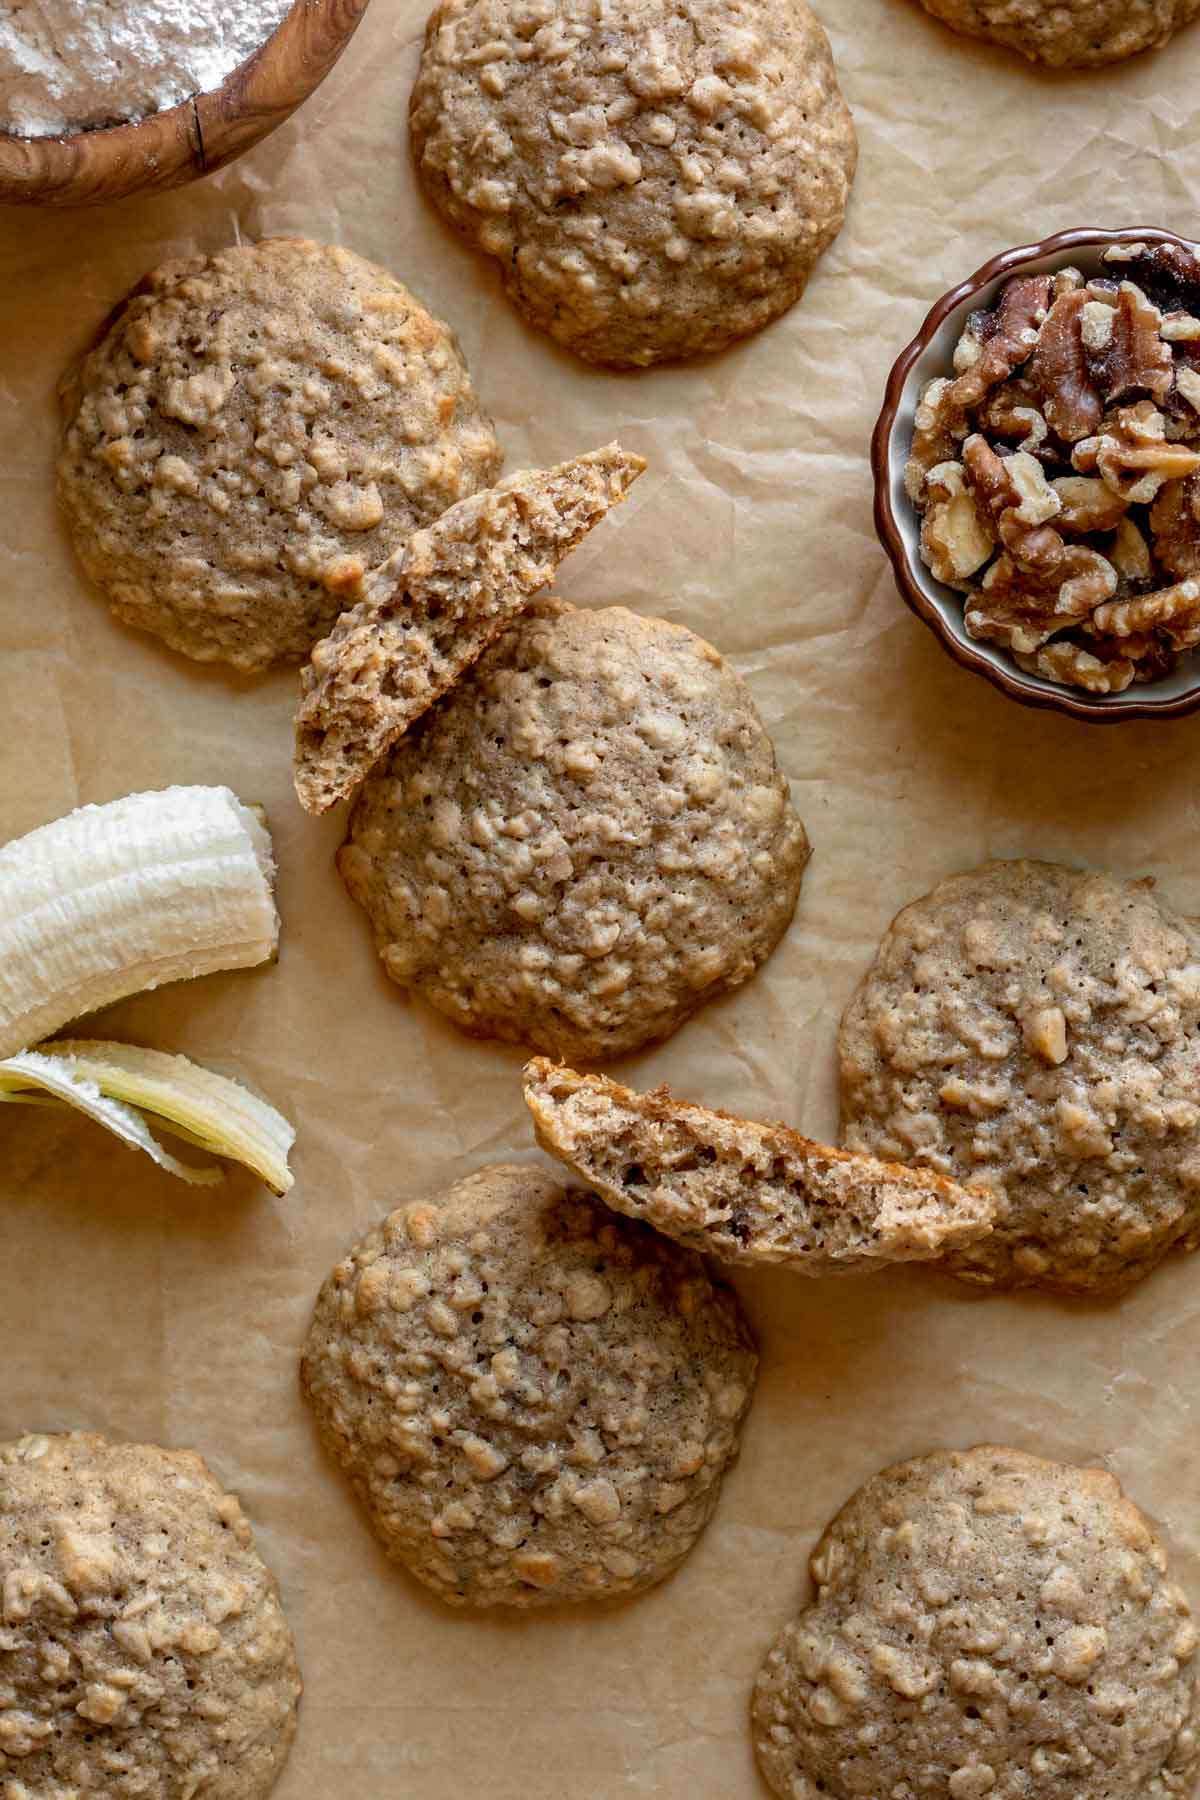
[{"x": 125, "y": 1088}]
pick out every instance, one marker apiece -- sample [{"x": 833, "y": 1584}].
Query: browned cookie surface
[
  {"x": 252, "y": 434},
  {"x": 535, "y": 1399},
  {"x": 1036, "y": 1029},
  {"x": 1002, "y": 1625},
  {"x": 655, "y": 180},
  {"x": 583, "y": 841}
]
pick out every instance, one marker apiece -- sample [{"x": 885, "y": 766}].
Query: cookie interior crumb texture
[
  {"x": 1071, "y": 34},
  {"x": 986, "y": 1626},
  {"x": 656, "y": 181},
  {"x": 143, "y": 1651},
  {"x": 1036, "y": 1028},
  {"x": 253, "y": 433},
  {"x": 433, "y": 609},
  {"x": 535, "y": 1399},
  {"x": 583, "y": 841},
  {"x": 741, "y": 1191}
]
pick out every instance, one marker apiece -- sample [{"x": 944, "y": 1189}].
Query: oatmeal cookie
[
  {"x": 433, "y": 609},
  {"x": 1068, "y": 34},
  {"x": 535, "y": 1399},
  {"x": 1034, "y": 1029},
  {"x": 741, "y": 1191},
  {"x": 143, "y": 1651},
  {"x": 655, "y": 180},
  {"x": 583, "y": 841},
  {"x": 252, "y": 434},
  {"x": 1000, "y": 1624}
]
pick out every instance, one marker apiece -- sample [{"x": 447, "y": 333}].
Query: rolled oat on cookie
[
  {"x": 252, "y": 434},
  {"x": 583, "y": 841},
  {"x": 433, "y": 609},
  {"x": 742, "y": 1191},
  {"x": 654, "y": 180},
  {"x": 1033, "y": 1029},
  {"x": 1001, "y": 1623},
  {"x": 535, "y": 1401}
]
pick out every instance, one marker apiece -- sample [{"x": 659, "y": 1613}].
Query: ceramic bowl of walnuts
[{"x": 1037, "y": 473}]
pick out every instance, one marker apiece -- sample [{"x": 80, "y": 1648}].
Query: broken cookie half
[
  {"x": 746, "y": 1192},
  {"x": 434, "y": 607}
]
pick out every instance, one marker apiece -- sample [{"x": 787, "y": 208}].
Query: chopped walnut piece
[
  {"x": 969, "y": 347},
  {"x": 1129, "y": 553},
  {"x": 933, "y": 440},
  {"x": 1024, "y": 608},
  {"x": 1004, "y": 613},
  {"x": 955, "y": 539},
  {"x": 1076, "y": 667},
  {"x": 1134, "y": 358},
  {"x": 1036, "y": 499},
  {"x": 1007, "y": 485},
  {"x": 1173, "y": 611},
  {"x": 1096, "y": 324},
  {"x": 1175, "y": 527},
  {"x": 994, "y": 345},
  {"x": 1148, "y": 653},
  {"x": 1168, "y": 273},
  {"x": 1009, "y": 339},
  {"x": 1011, "y": 413},
  {"x": 1060, "y": 370},
  {"x": 1132, "y": 454},
  {"x": 1087, "y": 504},
  {"x": 1179, "y": 328}
]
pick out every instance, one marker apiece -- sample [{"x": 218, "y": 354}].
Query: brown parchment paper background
[{"x": 130, "y": 1304}]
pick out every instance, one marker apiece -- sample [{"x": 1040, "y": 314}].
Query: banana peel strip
[{"x": 122, "y": 1086}]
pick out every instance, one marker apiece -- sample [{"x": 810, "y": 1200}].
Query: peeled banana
[
  {"x": 118, "y": 1085},
  {"x": 114, "y": 899},
  {"x": 117, "y": 898}
]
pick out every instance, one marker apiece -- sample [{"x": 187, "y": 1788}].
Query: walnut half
[{"x": 956, "y": 540}]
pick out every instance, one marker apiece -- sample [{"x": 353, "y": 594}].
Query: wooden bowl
[
  {"x": 898, "y": 523},
  {"x": 193, "y": 138}
]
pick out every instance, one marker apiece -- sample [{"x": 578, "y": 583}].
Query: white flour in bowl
[{"x": 67, "y": 64}]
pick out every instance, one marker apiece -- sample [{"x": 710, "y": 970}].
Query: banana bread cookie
[
  {"x": 1068, "y": 34},
  {"x": 143, "y": 1651},
  {"x": 252, "y": 434},
  {"x": 535, "y": 1399},
  {"x": 1034, "y": 1029},
  {"x": 583, "y": 841},
  {"x": 986, "y": 1626},
  {"x": 433, "y": 609},
  {"x": 655, "y": 180},
  {"x": 741, "y": 1191}
]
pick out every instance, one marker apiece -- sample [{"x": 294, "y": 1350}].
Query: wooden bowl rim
[
  {"x": 194, "y": 137},
  {"x": 911, "y": 581}
]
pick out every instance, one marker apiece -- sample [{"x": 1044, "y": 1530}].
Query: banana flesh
[
  {"x": 114, "y": 899},
  {"x": 125, "y": 1088}
]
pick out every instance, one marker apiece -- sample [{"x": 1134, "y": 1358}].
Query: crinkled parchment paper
[{"x": 132, "y": 1305}]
